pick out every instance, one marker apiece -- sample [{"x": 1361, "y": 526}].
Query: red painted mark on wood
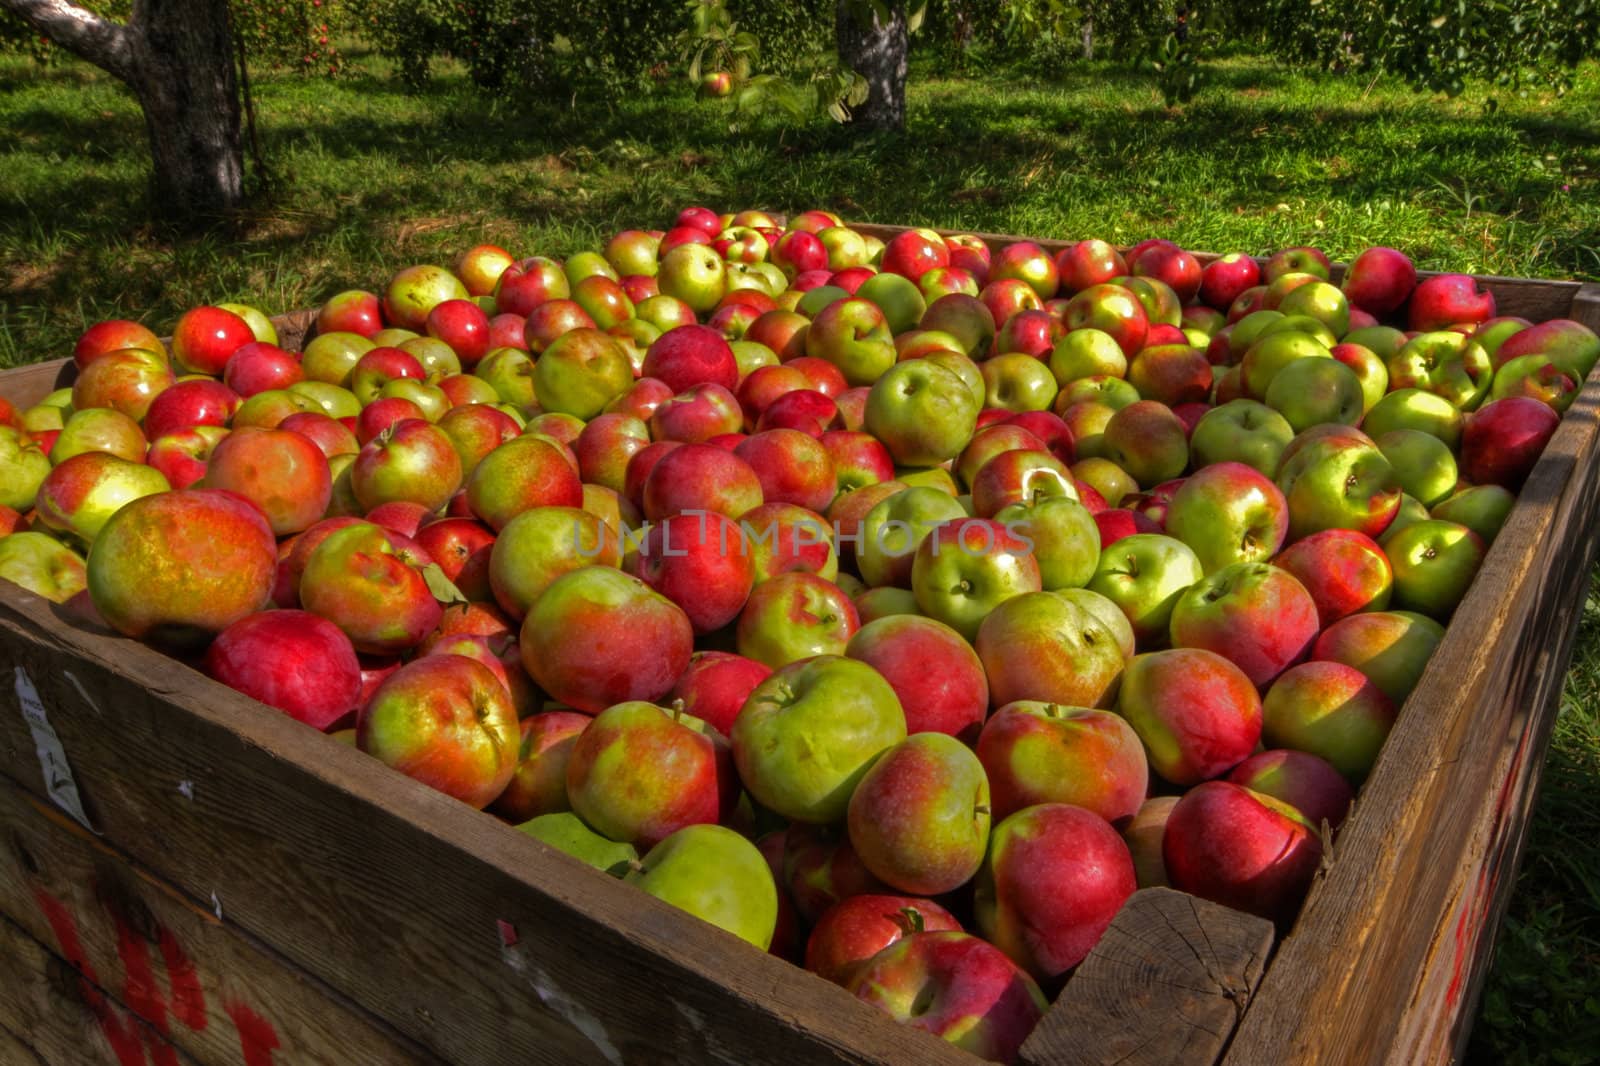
[
  {"x": 120, "y": 1032},
  {"x": 188, "y": 999},
  {"x": 140, "y": 991},
  {"x": 257, "y": 1038}
]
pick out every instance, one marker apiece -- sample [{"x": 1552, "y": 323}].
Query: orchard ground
[{"x": 369, "y": 178}]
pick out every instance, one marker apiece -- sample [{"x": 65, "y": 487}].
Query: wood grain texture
[
  {"x": 393, "y": 893},
  {"x": 1164, "y": 987},
  {"x": 1531, "y": 298},
  {"x": 46, "y": 1018},
  {"x": 181, "y": 969}
]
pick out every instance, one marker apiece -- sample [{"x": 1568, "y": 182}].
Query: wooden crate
[{"x": 249, "y": 891}]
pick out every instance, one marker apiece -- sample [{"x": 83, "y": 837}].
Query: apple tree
[{"x": 177, "y": 57}]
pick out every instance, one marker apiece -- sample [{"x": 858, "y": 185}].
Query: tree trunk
[
  {"x": 187, "y": 84},
  {"x": 876, "y": 51},
  {"x": 177, "y": 57},
  {"x": 1088, "y": 37}
]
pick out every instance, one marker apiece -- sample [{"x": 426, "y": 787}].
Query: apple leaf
[{"x": 443, "y": 589}]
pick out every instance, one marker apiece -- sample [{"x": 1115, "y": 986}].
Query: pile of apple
[{"x": 899, "y": 608}]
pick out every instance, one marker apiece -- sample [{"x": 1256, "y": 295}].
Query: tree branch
[{"x": 86, "y": 35}]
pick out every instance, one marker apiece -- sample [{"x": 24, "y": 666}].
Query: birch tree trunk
[{"x": 876, "y": 51}]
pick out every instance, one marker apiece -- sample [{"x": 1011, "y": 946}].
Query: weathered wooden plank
[
  {"x": 396, "y": 894},
  {"x": 54, "y": 1015},
  {"x": 186, "y": 973},
  {"x": 27, "y": 385},
  {"x": 1531, "y": 298},
  {"x": 1421, "y": 869},
  {"x": 1165, "y": 986}
]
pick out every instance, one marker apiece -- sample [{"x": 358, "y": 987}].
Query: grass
[{"x": 371, "y": 178}]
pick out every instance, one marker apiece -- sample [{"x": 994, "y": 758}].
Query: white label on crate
[{"x": 58, "y": 780}]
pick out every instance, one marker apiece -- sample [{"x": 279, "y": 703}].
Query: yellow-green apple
[
  {"x": 1339, "y": 483},
  {"x": 892, "y": 530},
  {"x": 695, "y": 274},
  {"x": 331, "y": 357},
  {"x": 1445, "y": 300},
  {"x": 919, "y": 818},
  {"x": 566, "y": 832},
  {"x": 412, "y": 460},
  {"x": 1481, "y": 508},
  {"x": 1256, "y": 615},
  {"x": 1332, "y": 711},
  {"x": 808, "y": 734},
  {"x": 509, "y": 371},
  {"x": 1197, "y": 714},
  {"x": 1306, "y": 782},
  {"x": 716, "y": 875},
  {"x": 538, "y": 786},
  {"x": 1408, "y": 408},
  {"x": 1021, "y": 476},
  {"x": 295, "y": 661},
  {"x": 1343, "y": 570},
  {"x": 99, "y": 429},
  {"x": 1310, "y": 392},
  {"x": 701, "y": 561},
  {"x": 1086, "y": 420},
  {"x": 1148, "y": 441},
  {"x": 1379, "y": 280},
  {"x": 1445, "y": 363},
  {"x": 446, "y": 721},
  {"x": 1296, "y": 260},
  {"x": 1390, "y": 647},
  {"x": 856, "y": 928},
  {"x": 356, "y": 578},
  {"x": 716, "y": 685},
  {"x": 1242, "y": 849},
  {"x": 796, "y": 615},
  {"x": 42, "y": 564},
  {"x": 587, "y": 264},
  {"x": 1016, "y": 381},
  {"x": 955, "y": 986},
  {"x": 923, "y": 413},
  {"x": 582, "y": 371},
  {"x": 1434, "y": 563},
  {"x": 1041, "y": 752},
  {"x": 416, "y": 290},
  {"x": 901, "y": 302},
  {"x": 952, "y": 699},
  {"x": 1426, "y": 467},
  {"x": 177, "y": 568},
  {"x": 78, "y": 496},
  {"x": 204, "y": 338},
  {"x": 113, "y": 335},
  {"x": 1243, "y": 431},
  {"x": 1229, "y": 513},
  {"x": 885, "y": 601},
  {"x": 480, "y": 267},
  {"x": 1225, "y": 278},
  {"x": 967, "y": 567},
  {"x": 639, "y": 773},
  {"x": 1411, "y": 512},
  {"x": 1266, "y": 357},
  {"x": 1571, "y": 345},
  {"x": 942, "y": 281},
  {"x": 522, "y": 473},
  {"x": 854, "y": 336},
  {"x": 1537, "y": 376},
  {"x": 540, "y": 545},
  {"x": 377, "y": 367},
  {"x": 335, "y": 401},
  {"x": 1066, "y": 539},
  {"x": 597, "y": 637},
  {"x": 1501, "y": 442},
  {"x": 1145, "y": 574},
  {"x": 128, "y": 380},
  {"x": 1086, "y": 352},
  {"x": 1055, "y": 877},
  {"x": 1321, "y": 301}
]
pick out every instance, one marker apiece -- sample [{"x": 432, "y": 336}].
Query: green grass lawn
[{"x": 369, "y": 178}]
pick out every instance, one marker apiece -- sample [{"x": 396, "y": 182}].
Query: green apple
[
  {"x": 566, "y": 832},
  {"x": 1229, "y": 513},
  {"x": 1241, "y": 431},
  {"x": 1434, "y": 563},
  {"x": 1085, "y": 353},
  {"x": 714, "y": 874},
  {"x": 1411, "y": 408},
  {"x": 581, "y": 372},
  {"x": 1309, "y": 392},
  {"x": 969, "y": 566},
  {"x": 1321, "y": 301},
  {"x": 1274, "y": 351},
  {"x": 923, "y": 413},
  {"x": 23, "y": 468},
  {"x": 42, "y": 565},
  {"x": 1448, "y": 364},
  {"x": 1066, "y": 540},
  {"x": 693, "y": 273},
  {"x": 854, "y": 336},
  {"x": 1144, "y": 575},
  {"x": 894, "y": 528},
  {"x": 1426, "y": 467},
  {"x": 1481, "y": 508},
  {"x": 897, "y": 297},
  {"x": 1017, "y": 381}
]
